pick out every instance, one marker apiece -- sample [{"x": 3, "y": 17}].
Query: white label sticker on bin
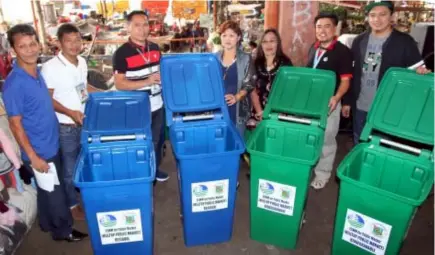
[
  {"x": 120, "y": 226},
  {"x": 210, "y": 196},
  {"x": 366, "y": 233},
  {"x": 276, "y": 197}
]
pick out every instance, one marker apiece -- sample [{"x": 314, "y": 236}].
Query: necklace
[{"x": 227, "y": 67}]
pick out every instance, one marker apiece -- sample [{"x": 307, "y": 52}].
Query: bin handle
[
  {"x": 197, "y": 117},
  {"x": 115, "y": 138},
  {"x": 294, "y": 119},
  {"x": 400, "y": 146}
]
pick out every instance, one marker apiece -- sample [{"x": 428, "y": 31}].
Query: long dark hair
[{"x": 260, "y": 59}]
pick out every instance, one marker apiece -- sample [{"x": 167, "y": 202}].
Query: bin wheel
[{"x": 302, "y": 221}]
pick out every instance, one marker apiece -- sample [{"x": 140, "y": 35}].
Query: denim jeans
[
  {"x": 157, "y": 123},
  {"x": 359, "y": 121},
  {"x": 69, "y": 149},
  {"x": 53, "y": 211}
]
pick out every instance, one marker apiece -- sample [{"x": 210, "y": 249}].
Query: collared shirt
[
  {"x": 69, "y": 83},
  {"x": 138, "y": 63},
  {"x": 337, "y": 58},
  {"x": 28, "y": 97}
]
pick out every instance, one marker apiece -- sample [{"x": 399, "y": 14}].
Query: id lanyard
[
  {"x": 147, "y": 61},
  {"x": 318, "y": 57}
]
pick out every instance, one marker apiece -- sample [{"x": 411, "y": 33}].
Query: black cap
[{"x": 388, "y": 4}]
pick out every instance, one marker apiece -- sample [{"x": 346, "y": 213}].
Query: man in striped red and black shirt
[{"x": 137, "y": 67}]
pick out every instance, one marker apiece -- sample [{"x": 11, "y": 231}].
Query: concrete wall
[{"x": 296, "y": 26}]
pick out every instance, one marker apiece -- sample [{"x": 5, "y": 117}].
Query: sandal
[{"x": 246, "y": 158}]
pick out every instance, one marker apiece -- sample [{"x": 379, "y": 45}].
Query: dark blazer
[{"x": 399, "y": 50}]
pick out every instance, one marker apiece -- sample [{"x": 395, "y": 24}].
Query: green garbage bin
[
  {"x": 284, "y": 147},
  {"x": 387, "y": 176}
]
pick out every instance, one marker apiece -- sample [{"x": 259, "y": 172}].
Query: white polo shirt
[{"x": 69, "y": 83}]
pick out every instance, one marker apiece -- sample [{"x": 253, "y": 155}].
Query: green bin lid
[
  {"x": 303, "y": 92},
  {"x": 403, "y": 107}
]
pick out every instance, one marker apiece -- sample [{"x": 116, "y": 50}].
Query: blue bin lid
[
  {"x": 117, "y": 113},
  {"x": 192, "y": 83}
]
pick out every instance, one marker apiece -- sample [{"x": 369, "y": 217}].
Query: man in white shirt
[{"x": 66, "y": 79}]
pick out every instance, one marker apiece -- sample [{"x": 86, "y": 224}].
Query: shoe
[
  {"x": 75, "y": 236},
  {"x": 237, "y": 186},
  {"x": 78, "y": 213},
  {"x": 161, "y": 176}
]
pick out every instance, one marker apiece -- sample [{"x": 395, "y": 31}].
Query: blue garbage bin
[
  {"x": 115, "y": 171},
  {"x": 206, "y": 145}
]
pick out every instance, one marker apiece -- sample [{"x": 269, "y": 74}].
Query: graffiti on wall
[{"x": 297, "y": 28}]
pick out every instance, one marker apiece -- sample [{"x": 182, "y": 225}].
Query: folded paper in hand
[{"x": 46, "y": 181}]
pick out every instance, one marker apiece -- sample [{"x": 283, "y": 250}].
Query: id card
[
  {"x": 82, "y": 92},
  {"x": 155, "y": 89}
]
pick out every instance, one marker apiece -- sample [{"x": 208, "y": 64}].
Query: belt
[
  {"x": 68, "y": 124},
  {"x": 149, "y": 92}
]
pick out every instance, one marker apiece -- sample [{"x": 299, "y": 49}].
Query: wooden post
[
  {"x": 296, "y": 26},
  {"x": 41, "y": 25},
  {"x": 271, "y": 14},
  {"x": 35, "y": 19},
  {"x": 215, "y": 15}
]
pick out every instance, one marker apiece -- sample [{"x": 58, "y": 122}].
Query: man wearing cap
[{"x": 374, "y": 52}]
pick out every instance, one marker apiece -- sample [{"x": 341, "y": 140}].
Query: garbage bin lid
[
  {"x": 192, "y": 83},
  {"x": 300, "y": 91},
  {"x": 117, "y": 113},
  {"x": 403, "y": 107}
]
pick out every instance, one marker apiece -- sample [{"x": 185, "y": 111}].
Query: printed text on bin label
[
  {"x": 210, "y": 196},
  {"x": 276, "y": 197},
  {"x": 120, "y": 226},
  {"x": 366, "y": 233}
]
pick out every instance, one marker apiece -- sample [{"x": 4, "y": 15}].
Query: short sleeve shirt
[
  {"x": 138, "y": 63},
  {"x": 28, "y": 97},
  {"x": 337, "y": 58},
  {"x": 370, "y": 73},
  {"x": 69, "y": 84}
]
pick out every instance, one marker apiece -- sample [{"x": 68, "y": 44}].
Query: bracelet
[{"x": 238, "y": 97}]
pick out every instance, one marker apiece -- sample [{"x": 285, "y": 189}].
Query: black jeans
[
  {"x": 359, "y": 121},
  {"x": 53, "y": 210},
  {"x": 157, "y": 123}
]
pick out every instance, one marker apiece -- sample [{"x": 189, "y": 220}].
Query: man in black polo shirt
[
  {"x": 137, "y": 67},
  {"x": 329, "y": 54}
]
